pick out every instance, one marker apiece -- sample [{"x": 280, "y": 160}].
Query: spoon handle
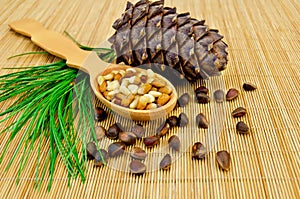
[{"x": 53, "y": 42}]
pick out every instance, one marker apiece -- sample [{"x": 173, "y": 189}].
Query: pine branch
[{"x": 47, "y": 102}]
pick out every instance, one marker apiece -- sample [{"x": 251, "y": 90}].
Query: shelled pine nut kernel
[{"x": 134, "y": 89}]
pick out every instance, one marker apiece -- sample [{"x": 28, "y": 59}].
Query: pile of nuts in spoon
[{"x": 134, "y": 89}]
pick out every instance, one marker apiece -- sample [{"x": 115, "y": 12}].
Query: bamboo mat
[{"x": 264, "y": 41}]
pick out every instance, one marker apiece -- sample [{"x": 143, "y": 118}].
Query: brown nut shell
[
  {"x": 98, "y": 160},
  {"x": 91, "y": 150},
  {"x": 163, "y": 129},
  {"x": 239, "y": 112},
  {"x": 113, "y": 131},
  {"x": 116, "y": 149},
  {"x": 166, "y": 162},
  {"x": 199, "y": 151},
  {"x": 174, "y": 142},
  {"x": 183, "y": 120},
  {"x": 151, "y": 140},
  {"x": 232, "y": 94},
  {"x": 138, "y": 130},
  {"x": 242, "y": 127},
  {"x": 128, "y": 138},
  {"x": 201, "y": 121},
  {"x": 138, "y": 153},
  {"x": 223, "y": 159},
  {"x": 249, "y": 86},
  {"x": 202, "y": 98},
  {"x": 100, "y": 132},
  {"x": 183, "y": 100},
  {"x": 137, "y": 167},
  {"x": 201, "y": 89}
]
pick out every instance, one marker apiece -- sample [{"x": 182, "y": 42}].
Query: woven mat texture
[{"x": 264, "y": 48}]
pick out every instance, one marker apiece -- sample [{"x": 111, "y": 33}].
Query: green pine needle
[
  {"x": 28, "y": 53},
  {"x": 41, "y": 104}
]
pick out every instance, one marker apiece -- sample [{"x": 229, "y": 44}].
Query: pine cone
[{"x": 148, "y": 32}]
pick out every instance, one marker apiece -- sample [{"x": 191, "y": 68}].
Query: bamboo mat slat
[{"x": 264, "y": 48}]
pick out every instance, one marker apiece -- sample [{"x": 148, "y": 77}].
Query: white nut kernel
[
  {"x": 131, "y": 79},
  {"x": 137, "y": 80},
  {"x": 150, "y": 73},
  {"x": 127, "y": 100},
  {"x": 142, "y": 103},
  {"x": 109, "y": 76},
  {"x": 134, "y": 103},
  {"x": 125, "y": 82},
  {"x": 112, "y": 85},
  {"x": 150, "y": 98},
  {"x": 124, "y": 90},
  {"x": 151, "y": 106},
  {"x": 163, "y": 99},
  {"x": 117, "y": 76},
  {"x": 153, "y": 89},
  {"x": 133, "y": 88},
  {"x": 112, "y": 93},
  {"x": 145, "y": 88},
  {"x": 149, "y": 80},
  {"x": 105, "y": 94},
  {"x": 100, "y": 79},
  {"x": 158, "y": 83},
  {"x": 120, "y": 96},
  {"x": 134, "y": 80},
  {"x": 165, "y": 89},
  {"x": 102, "y": 87},
  {"x": 155, "y": 93},
  {"x": 131, "y": 70}
]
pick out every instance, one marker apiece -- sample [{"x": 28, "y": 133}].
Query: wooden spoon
[{"x": 89, "y": 62}]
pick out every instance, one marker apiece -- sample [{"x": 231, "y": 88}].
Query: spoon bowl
[
  {"x": 141, "y": 115},
  {"x": 89, "y": 62}
]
